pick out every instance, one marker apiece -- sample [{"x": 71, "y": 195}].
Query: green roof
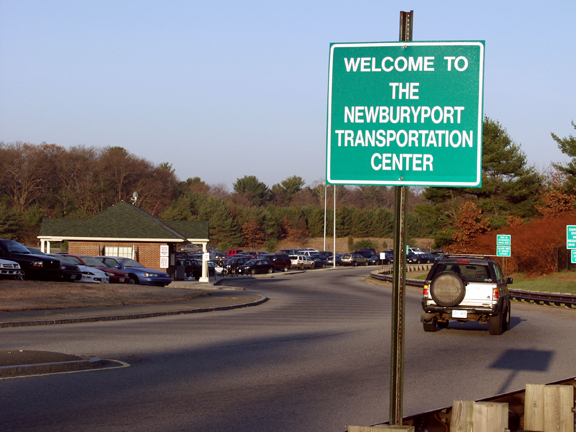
[{"x": 124, "y": 221}]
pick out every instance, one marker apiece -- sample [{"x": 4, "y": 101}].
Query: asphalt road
[{"x": 315, "y": 357}]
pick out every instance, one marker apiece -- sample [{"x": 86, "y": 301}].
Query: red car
[{"x": 115, "y": 275}]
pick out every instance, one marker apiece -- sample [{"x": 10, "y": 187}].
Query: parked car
[
  {"x": 193, "y": 268},
  {"x": 302, "y": 262},
  {"x": 34, "y": 266},
  {"x": 319, "y": 259},
  {"x": 191, "y": 248},
  {"x": 69, "y": 272},
  {"x": 354, "y": 259},
  {"x": 376, "y": 260},
  {"x": 330, "y": 260},
  {"x": 422, "y": 258},
  {"x": 234, "y": 263},
  {"x": 256, "y": 266},
  {"x": 415, "y": 250},
  {"x": 114, "y": 275},
  {"x": 281, "y": 262},
  {"x": 10, "y": 269},
  {"x": 326, "y": 254},
  {"x": 136, "y": 271},
  {"x": 79, "y": 273},
  {"x": 365, "y": 252},
  {"x": 232, "y": 252},
  {"x": 289, "y": 252}
]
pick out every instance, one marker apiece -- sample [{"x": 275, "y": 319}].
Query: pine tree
[{"x": 568, "y": 147}]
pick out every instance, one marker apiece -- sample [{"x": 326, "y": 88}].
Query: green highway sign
[
  {"x": 503, "y": 240},
  {"x": 405, "y": 113},
  {"x": 503, "y": 251},
  {"x": 570, "y": 236},
  {"x": 573, "y": 256}
]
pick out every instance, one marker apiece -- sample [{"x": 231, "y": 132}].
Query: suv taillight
[
  {"x": 425, "y": 290},
  {"x": 495, "y": 293}
]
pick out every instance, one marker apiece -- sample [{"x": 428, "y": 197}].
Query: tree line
[{"x": 48, "y": 180}]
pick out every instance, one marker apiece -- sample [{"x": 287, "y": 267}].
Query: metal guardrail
[{"x": 561, "y": 300}]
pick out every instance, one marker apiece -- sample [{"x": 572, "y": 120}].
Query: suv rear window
[{"x": 469, "y": 272}]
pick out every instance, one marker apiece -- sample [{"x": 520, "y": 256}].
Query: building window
[{"x": 119, "y": 251}]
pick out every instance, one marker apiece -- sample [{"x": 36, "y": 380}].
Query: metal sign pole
[{"x": 399, "y": 281}]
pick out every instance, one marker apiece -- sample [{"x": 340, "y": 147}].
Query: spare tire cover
[{"x": 447, "y": 289}]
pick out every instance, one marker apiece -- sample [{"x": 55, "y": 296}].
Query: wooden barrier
[
  {"x": 549, "y": 408},
  {"x": 383, "y": 428},
  {"x": 468, "y": 416}
]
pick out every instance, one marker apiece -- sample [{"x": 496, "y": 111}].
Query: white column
[{"x": 205, "y": 276}]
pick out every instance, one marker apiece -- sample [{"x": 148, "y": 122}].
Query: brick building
[{"x": 125, "y": 230}]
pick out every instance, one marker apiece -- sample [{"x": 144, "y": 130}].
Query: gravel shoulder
[{"x": 29, "y": 295}]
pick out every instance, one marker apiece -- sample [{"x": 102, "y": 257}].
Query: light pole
[
  {"x": 334, "y": 253},
  {"x": 325, "y": 199}
]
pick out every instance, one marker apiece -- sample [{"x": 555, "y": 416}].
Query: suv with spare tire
[{"x": 466, "y": 288}]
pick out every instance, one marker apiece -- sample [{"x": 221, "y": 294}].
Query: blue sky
[{"x": 224, "y": 89}]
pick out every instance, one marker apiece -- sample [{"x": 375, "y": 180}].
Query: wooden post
[
  {"x": 549, "y": 408},
  {"x": 490, "y": 417},
  {"x": 468, "y": 416},
  {"x": 534, "y": 407},
  {"x": 558, "y": 405},
  {"x": 462, "y": 416}
]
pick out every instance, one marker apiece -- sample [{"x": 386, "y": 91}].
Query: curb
[
  {"x": 130, "y": 316},
  {"x": 43, "y": 368}
]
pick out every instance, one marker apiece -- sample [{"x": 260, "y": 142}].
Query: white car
[
  {"x": 92, "y": 275},
  {"x": 301, "y": 262},
  {"x": 10, "y": 269}
]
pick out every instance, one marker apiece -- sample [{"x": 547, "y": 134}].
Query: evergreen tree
[
  {"x": 568, "y": 147},
  {"x": 382, "y": 222},
  {"x": 361, "y": 223},
  {"x": 256, "y": 191},
  {"x": 344, "y": 221},
  {"x": 10, "y": 222}
]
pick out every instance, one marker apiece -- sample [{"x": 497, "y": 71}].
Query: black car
[
  {"x": 34, "y": 266},
  {"x": 365, "y": 252},
  {"x": 319, "y": 260},
  {"x": 70, "y": 270},
  {"x": 256, "y": 266},
  {"x": 234, "y": 263},
  {"x": 376, "y": 260}
]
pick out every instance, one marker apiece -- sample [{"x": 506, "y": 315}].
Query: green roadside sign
[
  {"x": 503, "y": 240},
  {"x": 405, "y": 113},
  {"x": 570, "y": 236},
  {"x": 503, "y": 251}
]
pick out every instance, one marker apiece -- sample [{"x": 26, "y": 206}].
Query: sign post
[{"x": 571, "y": 242}]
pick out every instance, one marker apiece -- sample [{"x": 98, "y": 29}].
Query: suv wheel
[
  {"x": 496, "y": 324},
  {"x": 447, "y": 289},
  {"x": 507, "y": 319}
]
